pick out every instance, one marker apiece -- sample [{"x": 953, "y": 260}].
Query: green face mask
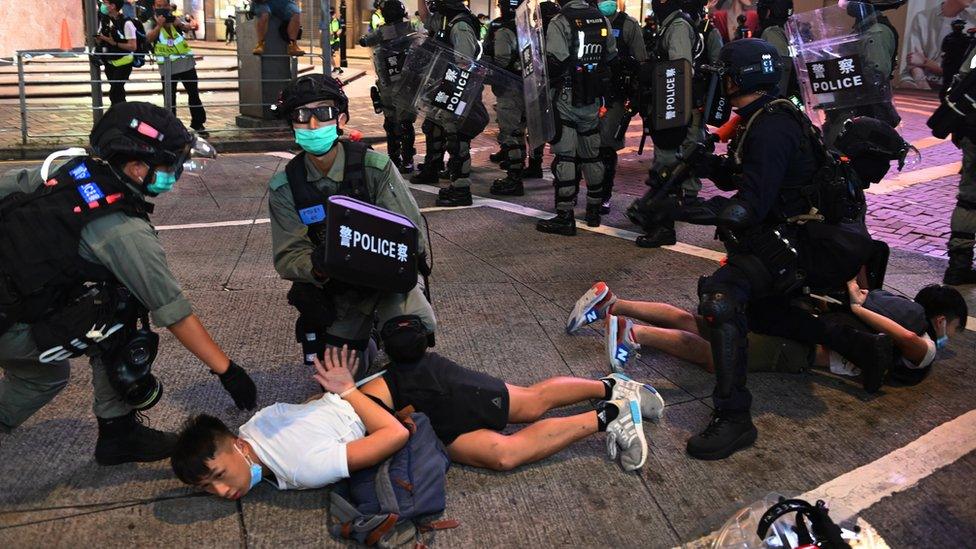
[
  {"x": 103, "y": 9},
  {"x": 317, "y": 141},
  {"x": 608, "y": 7},
  {"x": 162, "y": 182}
]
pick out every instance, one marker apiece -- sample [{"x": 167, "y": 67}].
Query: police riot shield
[
  {"x": 389, "y": 58},
  {"x": 539, "y": 116},
  {"x": 831, "y": 67},
  {"x": 672, "y": 95},
  {"x": 441, "y": 85}
]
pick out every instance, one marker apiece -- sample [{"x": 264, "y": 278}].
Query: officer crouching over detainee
[
  {"x": 336, "y": 308},
  {"x": 83, "y": 270}
]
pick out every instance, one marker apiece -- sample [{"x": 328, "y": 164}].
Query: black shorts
[{"x": 456, "y": 400}]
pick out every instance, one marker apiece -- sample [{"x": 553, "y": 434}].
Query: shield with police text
[
  {"x": 672, "y": 95},
  {"x": 390, "y": 57},
  {"x": 539, "y": 116},
  {"x": 370, "y": 246},
  {"x": 439, "y": 84},
  {"x": 830, "y": 59}
]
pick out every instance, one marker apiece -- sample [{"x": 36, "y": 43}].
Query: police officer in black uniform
[
  {"x": 771, "y": 161},
  {"x": 955, "y": 46},
  {"x": 81, "y": 272}
]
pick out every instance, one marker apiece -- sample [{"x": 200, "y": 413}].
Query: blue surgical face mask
[
  {"x": 162, "y": 182},
  {"x": 608, "y": 7},
  {"x": 317, "y": 141},
  {"x": 941, "y": 342},
  {"x": 255, "y": 469}
]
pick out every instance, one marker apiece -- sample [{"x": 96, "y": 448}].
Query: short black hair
[
  {"x": 117, "y": 3},
  {"x": 196, "y": 444},
  {"x": 939, "y": 299}
]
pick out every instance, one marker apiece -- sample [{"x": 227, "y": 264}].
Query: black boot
[
  {"x": 872, "y": 353},
  {"x": 510, "y": 185},
  {"x": 609, "y": 158},
  {"x": 454, "y": 197},
  {"x": 497, "y": 157},
  {"x": 727, "y": 432},
  {"x": 960, "y": 270},
  {"x": 657, "y": 237},
  {"x": 125, "y": 439},
  {"x": 406, "y": 165},
  {"x": 427, "y": 174},
  {"x": 564, "y": 223},
  {"x": 593, "y": 215},
  {"x": 534, "y": 169}
]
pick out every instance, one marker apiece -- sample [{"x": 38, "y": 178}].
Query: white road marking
[
  {"x": 907, "y": 179},
  {"x": 238, "y": 223}
]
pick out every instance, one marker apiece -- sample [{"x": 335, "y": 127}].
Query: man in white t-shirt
[
  {"x": 312, "y": 445},
  {"x": 117, "y": 42}
]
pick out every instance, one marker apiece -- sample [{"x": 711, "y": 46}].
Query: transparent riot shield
[
  {"x": 829, "y": 56},
  {"x": 440, "y": 85},
  {"x": 390, "y": 57},
  {"x": 540, "y": 122}
]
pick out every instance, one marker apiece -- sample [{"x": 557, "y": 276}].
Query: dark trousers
[
  {"x": 198, "y": 116},
  {"x": 119, "y": 76},
  {"x": 756, "y": 311}
]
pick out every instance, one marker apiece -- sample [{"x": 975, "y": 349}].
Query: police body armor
[
  {"x": 588, "y": 75},
  {"x": 513, "y": 64},
  {"x": 625, "y": 67},
  {"x": 41, "y": 271},
  {"x": 818, "y": 214},
  {"x": 453, "y": 18}
]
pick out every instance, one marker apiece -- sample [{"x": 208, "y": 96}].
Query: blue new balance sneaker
[
  {"x": 621, "y": 347},
  {"x": 592, "y": 306},
  {"x": 624, "y": 388}
]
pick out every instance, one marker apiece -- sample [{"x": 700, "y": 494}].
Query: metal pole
[
  {"x": 167, "y": 82},
  {"x": 325, "y": 37},
  {"x": 23, "y": 99},
  {"x": 95, "y": 71},
  {"x": 311, "y": 27}
]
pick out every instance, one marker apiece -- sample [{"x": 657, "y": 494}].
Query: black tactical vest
[
  {"x": 449, "y": 20},
  {"x": 617, "y": 25},
  {"x": 310, "y": 203},
  {"x": 488, "y": 46},
  {"x": 40, "y": 232},
  {"x": 589, "y": 75}
]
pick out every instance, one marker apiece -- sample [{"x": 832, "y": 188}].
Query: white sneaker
[
  {"x": 625, "y": 436},
  {"x": 592, "y": 306},
  {"x": 621, "y": 347},
  {"x": 651, "y": 402}
]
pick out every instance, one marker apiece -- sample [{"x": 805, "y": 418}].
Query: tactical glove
[{"x": 240, "y": 386}]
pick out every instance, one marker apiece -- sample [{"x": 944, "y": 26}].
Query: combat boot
[
  {"x": 498, "y": 156},
  {"x": 564, "y": 223},
  {"x": 534, "y": 169},
  {"x": 427, "y": 175},
  {"x": 295, "y": 51},
  {"x": 406, "y": 164},
  {"x": 727, "y": 432},
  {"x": 510, "y": 185},
  {"x": 657, "y": 237},
  {"x": 125, "y": 439},
  {"x": 872, "y": 353},
  {"x": 592, "y": 215},
  {"x": 960, "y": 270},
  {"x": 454, "y": 197}
]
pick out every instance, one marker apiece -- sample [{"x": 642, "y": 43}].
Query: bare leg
[
  {"x": 527, "y": 404},
  {"x": 658, "y": 314},
  {"x": 293, "y": 25},
  {"x": 261, "y": 25},
  {"x": 684, "y": 345},
  {"x": 493, "y": 450}
]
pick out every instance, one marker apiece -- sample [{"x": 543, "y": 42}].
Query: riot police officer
[
  {"x": 453, "y": 24},
  {"x": 621, "y": 100},
  {"x": 955, "y": 46},
  {"x": 389, "y": 50},
  {"x": 82, "y": 265},
  {"x": 579, "y": 48},
  {"x": 963, "y": 221},
  {"x": 879, "y": 43},
  {"x": 334, "y": 312},
  {"x": 501, "y": 47},
  {"x": 772, "y": 17},
  {"x": 771, "y": 165},
  {"x": 678, "y": 38}
]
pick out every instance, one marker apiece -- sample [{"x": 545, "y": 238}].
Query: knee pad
[
  {"x": 405, "y": 338},
  {"x": 718, "y": 308},
  {"x": 556, "y": 160},
  {"x": 428, "y": 127}
]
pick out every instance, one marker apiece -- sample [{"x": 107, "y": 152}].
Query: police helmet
[
  {"x": 664, "y": 8},
  {"x": 694, "y": 8},
  {"x": 871, "y": 145},
  {"x": 508, "y": 7},
  {"x": 393, "y": 11},
  {"x": 752, "y": 64},
  {"x": 141, "y": 131},
  {"x": 308, "y": 89},
  {"x": 548, "y": 10}
]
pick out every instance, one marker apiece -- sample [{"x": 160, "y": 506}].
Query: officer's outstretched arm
[
  {"x": 720, "y": 211},
  {"x": 192, "y": 335}
]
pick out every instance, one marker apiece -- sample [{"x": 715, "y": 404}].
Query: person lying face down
[{"x": 312, "y": 445}]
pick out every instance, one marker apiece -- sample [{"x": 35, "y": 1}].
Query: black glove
[
  {"x": 236, "y": 382},
  {"x": 708, "y": 164},
  {"x": 318, "y": 262}
]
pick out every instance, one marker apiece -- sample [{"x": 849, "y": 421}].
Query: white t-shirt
[
  {"x": 129, "y": 30},
  {"x": 840, "y": 365},
  {"x": 305, "y": 444}
]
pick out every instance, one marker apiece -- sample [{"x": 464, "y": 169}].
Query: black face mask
[{"x": 663, "y": 9}]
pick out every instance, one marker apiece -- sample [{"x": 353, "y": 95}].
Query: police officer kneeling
[
  {"x": 80, "y": 264},
  {"x": 333, "y": 311},
  {"x": 774, "y": 163}
]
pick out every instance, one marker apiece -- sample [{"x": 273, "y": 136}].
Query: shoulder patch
[
  {"x": 278, "y": 180},
  {"x": 376, "y": 160}
]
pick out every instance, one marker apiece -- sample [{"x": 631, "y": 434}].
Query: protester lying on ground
[
  {"x": 917, "y": 328},
  {"x": 312, "y": 445}
]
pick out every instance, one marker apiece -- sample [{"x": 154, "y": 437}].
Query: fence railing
[{"x": 161, "y": 75}]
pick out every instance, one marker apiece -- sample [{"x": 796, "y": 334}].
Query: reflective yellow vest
[{"x": 170, "y": 46}]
